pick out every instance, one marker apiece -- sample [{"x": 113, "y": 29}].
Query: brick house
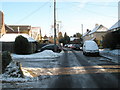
[
  {"x": 18, "y": 29},
  {"x": 2, "y": 25},
  {"x": 96, "y": 34},
  {"x": 35, "y": 33}
]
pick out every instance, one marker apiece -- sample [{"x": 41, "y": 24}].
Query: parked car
[
  {"x": 69, "y": 45},
  {"x": 76, "y": 46},
  {"x": 66, "y": 45},
  {"x": 90, "y": 47},
  {"x": 52, "y": 47}
]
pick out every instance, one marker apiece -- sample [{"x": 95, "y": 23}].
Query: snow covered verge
[
  {"x": 13, "y": 74},
  {"x": 44, "y": 54},
  {"x": 115, "y": 52},
  {"x": 112, "y": 55}
]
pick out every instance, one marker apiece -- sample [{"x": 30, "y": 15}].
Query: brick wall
[{"x": 2, "y": 26}]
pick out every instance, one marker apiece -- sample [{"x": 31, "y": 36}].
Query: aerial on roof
[
  {"x": 116, "y": 25},
  {"x": 11, "y": 37}
]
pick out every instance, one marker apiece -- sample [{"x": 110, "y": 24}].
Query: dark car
[
  {"x": 76, "y": 46},
  {"x": 52, "y": 47}
]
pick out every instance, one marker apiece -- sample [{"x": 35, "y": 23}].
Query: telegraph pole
[
  {"x": 55, "y": 23},
  {"x": 82, "y": 28}
]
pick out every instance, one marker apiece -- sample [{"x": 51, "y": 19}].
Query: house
[
  {"x": 35, "y": 33},
  {"x": 18, "y": 29},
  {"x": 2, "y": 25},
  {"x": 115, "y": 27},
  {"x": 115, "y": 32},
  {"x": 8, "y": 29},
  {"x": 8, "y": 40},
  {"x": 74, "y": 40},
  {"x": 85, "y": 35},
  {"x": 96, "y": 34}
]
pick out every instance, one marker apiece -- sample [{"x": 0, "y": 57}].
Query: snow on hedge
[{"x": 44, "y": 54}]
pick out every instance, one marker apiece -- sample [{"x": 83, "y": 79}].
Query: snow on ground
[
  {"x": 44, "y": 54},
  {"x": 115, "y": 52},
  {"x": 33, "y": 57},
  {"x": 112, "y": 55},
  {"x": 11, "y": 79}
]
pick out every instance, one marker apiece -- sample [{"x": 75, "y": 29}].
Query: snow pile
[
  {"x": 115, "y": 52},
  {"x": 13, "y": 70},
  {"x": 13, "y": 73},
  {"x": 12, "y": 79},
  {"x": 44, "y": 54}
]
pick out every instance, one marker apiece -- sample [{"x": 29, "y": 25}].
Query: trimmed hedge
[
  {"x": 111, "y": 40},
  {"x": 21, "y": 45}
]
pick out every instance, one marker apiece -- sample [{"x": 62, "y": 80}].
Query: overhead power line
[
  {"x": 93, "y": 4},
  {"x": 33, "y": 12},
  {"x": 101, "y": 5},
  {"x": 93, "y": 12}
]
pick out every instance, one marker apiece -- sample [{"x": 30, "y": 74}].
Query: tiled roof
[
  {"x": 7, "y": 27},
  {"x": 116, "y": 25},
  {"x": 99, "y": 28}
]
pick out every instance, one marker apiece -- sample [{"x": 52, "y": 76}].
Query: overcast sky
[{"x": 39, "y": 13}]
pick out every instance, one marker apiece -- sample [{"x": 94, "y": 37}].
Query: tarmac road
[{"x": 85, "y": 72}]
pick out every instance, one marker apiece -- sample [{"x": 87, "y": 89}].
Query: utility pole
[
  {"x": 82, "y": 28},
  {"x": 55, "y": 24}
]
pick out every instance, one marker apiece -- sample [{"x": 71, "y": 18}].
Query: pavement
[{"x": 110, "y": 56}]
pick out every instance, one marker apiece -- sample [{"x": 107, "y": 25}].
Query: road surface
[{"x": 88, "y": 72}]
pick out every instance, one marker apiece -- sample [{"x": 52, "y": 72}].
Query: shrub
[
  {"x": 6, "y": 59},
  {"x": 21, "y": 45},
  {"x": 109, "y": 41}
]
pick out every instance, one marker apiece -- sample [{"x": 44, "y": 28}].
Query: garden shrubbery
[
  {"x": 6, "y": 59},
  {"x": 21, "y": 45},
  {"x": 111, "y": 40}
]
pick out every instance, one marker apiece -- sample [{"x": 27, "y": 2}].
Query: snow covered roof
[
  {"x": 85, "y": 33},
  {"x": 73, "y": 38},
  {"x": 99, "y": 28},
  {"x": 116, "y": 25},
  {"x": 11, "y": 37}
]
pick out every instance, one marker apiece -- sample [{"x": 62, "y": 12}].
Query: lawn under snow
[{"x": 44, "y": 54}]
